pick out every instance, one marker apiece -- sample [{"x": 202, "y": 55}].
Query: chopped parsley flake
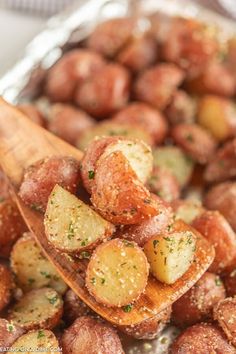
[
  {"x": 40, "y": 334},
  {"x": 155, "y": 243},
  {"x": 127, "y": 308},
  {"x": 91, "y": 174},
  {"x": 53, "y": 300},
  {"x": 218, "y": 281}
]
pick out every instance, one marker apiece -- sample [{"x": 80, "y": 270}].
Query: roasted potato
[
  {"x": 136, "y": 152},
  {"x": 181, "y": 109},
  {"x": 213, "y": 226},
  {"x": 171, "y": 253},
  {"x": 186, "y": 209},
  {"x": 8, "y": 333},
  {"x": 150, "y": 328},
  {"x": 87, "y": 335},
  {"x": 139, "y": 53},
  {"x": 195, "y": 141},
  {"x": 32, "y": 112},
  {"x": 105, "y": 92},
  {"x": 164, "y": 183},
  {"x": 4, "y": 187},
  {"x": 218, "y": 116},
  {"x": 229, "y": 279},
  {"x": 175, "y": 160},
  {"x": 118, "y": 195},
  {"x": 197, "y": 304},
  {"x": 74, "y": 307},
  {"x": 40, "y": 179},
  {"x": 32, "y": 270},
  {"x": 223, "y": 165},
  {"x": 110, "y": 36},
  {"x": 157, "y": 84},
  {"x": 143, "y": 115},
  {"x": 72, "y": 69},
  {"x": 71, "y": 225},
  {"x": 39, "y": 308},
  {"x": 225, "y": 314},
  {"x": 222, "y": 198},
  {"x": 12, "y": 226},
  {"x": 203, "y": 338},
  {"x": 6, "y": 286},
  {"x": 42, "y": 340},
  {"x": 117, "y": 273},
  {"x": 68, "y": 122}
]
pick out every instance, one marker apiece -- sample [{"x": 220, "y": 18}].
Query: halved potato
[
  {"x": 8, "y": 333},
  {"x": 187, "y": 209},
  {"x": 117, "y": 273},
  {"x": 42, "y": 340},
  {"x": 39, "y": 308},
  {"x": 225, "y": 314},
  {"x": 32, "y": 270},
  {"x": 170, "y": 254},
  {"x": 71, "y": 225}
]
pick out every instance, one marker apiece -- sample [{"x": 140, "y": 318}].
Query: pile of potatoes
[{"x": 155, "y": 116}]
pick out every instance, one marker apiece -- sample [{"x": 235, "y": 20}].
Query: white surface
[{"x": 16, "y": 30}]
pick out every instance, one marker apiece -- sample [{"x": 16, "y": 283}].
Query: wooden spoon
[{"x": 23, "y": 143}]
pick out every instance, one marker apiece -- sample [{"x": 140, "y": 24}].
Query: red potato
[
  {"x": 4, "y": 187},
  {"x": 8, "y": 333},
  {"x": 213, "y": 226},
  {"x": 186, "y": 209},
  {"x": 195, "y": 141},
  {"x": 222, "y": 198},
  {"x": 223, "y": 166},
  {"x": 105, "y": 92},
  {"x": 139, "y": 54},
  {"x": 216, "y": 79},
  {"x": 203, "y": 338},
  {"x": 157, "y": 84},
  {"x": 181, "y": 109},
  {"x": 118, "y": 195},
  {"x": 142, "y": 232},
  {"x": 12, "y": 226},
  {"x": 110, "y": 36},
  {"x": 87, "y": 335},
  {"x": 68, "y": 122},
  {"x": 225, "y": 314},
  {"x": 229, "y": 279},
  {"x": 197, "y": 304},
  {"x": 40, "y": 179},
  {"x": 163, "y": 183},
  {"x": 72, "y": 69},
  {"x": 32, "y": 112},
  {"x": 6, "y": 286},
  {"x": 150, "y": 328},
  {"x": 146, "y": 117},
  {"x": 218, "y": 116},
  {"x": 74, "y": 307}
]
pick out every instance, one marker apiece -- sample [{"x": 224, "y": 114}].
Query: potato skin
[
  {"x": 8, "y": 333},
  {"x": 157, "y": 84},
  {"x": 221, "y": 197},
  {"x": 119, "y": 196},
  {"x": 150, "y": 328},
  {"x": 146, "y": 117},
  {"x": 181, "y": 109},
  {"x": 213, "y": 226},
  {"x": 196, "y": 305},
  {"x": 32, "y": 112},
  {"x": 6, "y": 286},
  {"x": 74, "y": 307},
  {"x": 225, "y": 314},
  {"x": 229, "y": 279},
  {"x": 40, "y": 179},
  {"x": 72, "y": 69},
  {"x": 68, "y": 122},
  {"x": 202, "y": 338},
  {"x": 195, "y": 141},
  {"x": 87, "y": 335},
  {"x": 105, "y": 92}
]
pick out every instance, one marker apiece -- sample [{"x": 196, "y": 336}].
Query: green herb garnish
[
  {"x": 91, "y": 174},
  {"x": 127, "y": 308}
]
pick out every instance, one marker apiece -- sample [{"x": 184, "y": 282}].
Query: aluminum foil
[{"x": 67, "y": 29}]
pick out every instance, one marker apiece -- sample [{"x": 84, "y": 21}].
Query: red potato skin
[
  {"x": 213, "y": 226},
  {"x": 105, "y": 92},
  {"x": 139, "y": 54},
  {"x": 195, "y": 141},
  {"x": 118, "y": 195},
  {"x": 197, "y": 304},
  {"x": 149, "y": 329},
  {"x": 163, "y": 183},
  {"x": 9, "y": 333},
  {"x": 157, "y": 84},
  {"x": 225, "y": 314},
  {"x": 223, "y": 166},
  {"x": 40, "y": 179},
  {"x": 203, "y": 338},
  {"x": 221, "y": 197},
  {"x": 182, "y": 108},
  {"x": 6, "y": 286},
  {"x": 12, "y": 226},
  {"x": 87, "y": 335},
  {"x": 229, "y": 279},
  {"x": 146, "y": 117},
  {"x": 68, "y": 122},
  {"x": 32, "y": 112},
  {"x": 74, "y": 307},
  {"x": 72, "y": 69},
  {"x": 4, "y": 187},
  {"x": 110, "y": 36}
]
